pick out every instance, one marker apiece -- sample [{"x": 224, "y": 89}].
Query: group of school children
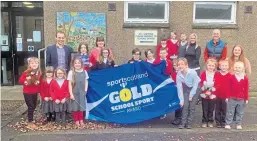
[{"x": 220, "y": 90}]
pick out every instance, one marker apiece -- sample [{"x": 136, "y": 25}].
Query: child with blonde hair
[
  {"x": 30, "y": 79},
  {"x": 208, "y": 85},
  {"x": 237, "y": 97},
  {"x": 78, "y": 85},
  {"x": 187, "y": 84}
]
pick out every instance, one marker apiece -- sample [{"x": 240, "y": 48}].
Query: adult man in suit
[{"x": 59, "y": 55}]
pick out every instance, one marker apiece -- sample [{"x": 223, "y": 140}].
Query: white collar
[{"x": 239, "y": 77}]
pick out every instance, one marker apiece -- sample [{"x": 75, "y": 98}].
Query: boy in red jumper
[
  {"x": 163, "y": 56},
  {"x": 30, "y": 79},
  {"x": 237, "y": 96},
  {"x": 223, "y": 77},
  {"x": 163, "y": 44}
]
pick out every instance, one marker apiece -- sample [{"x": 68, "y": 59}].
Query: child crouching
[{"x": 187, "y": 84}]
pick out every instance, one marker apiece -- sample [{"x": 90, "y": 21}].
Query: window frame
[
  {"x": 216, "y": 21},
  {"x": 166, "y": 14}
]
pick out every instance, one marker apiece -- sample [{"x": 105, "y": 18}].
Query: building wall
[{"x": 121, "y": 39}]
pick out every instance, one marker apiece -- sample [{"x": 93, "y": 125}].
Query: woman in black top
[
  {"x": 193, "y": 53},
  {"x": 105, "y": 60}
]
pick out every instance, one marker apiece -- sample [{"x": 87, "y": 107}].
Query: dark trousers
[
  {"x": 31, "y": 102},
  {"x": 208, "y": 106},
  {"x": 178, "y": 114},
  {"x": 61, "y": 117},
  {"x": 220, "y": 111}
]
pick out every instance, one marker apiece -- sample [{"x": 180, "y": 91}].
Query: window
[
  {"x": 215, "y": 12},
  {"x": 146, "y": 12}
]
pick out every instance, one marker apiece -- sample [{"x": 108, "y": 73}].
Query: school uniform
[
  {"x": 158, "y": 50},
  {"x": 221, "y": 93},
  {"x": 150, "y": 61},
  {"x": 208, "y": 102},
  {"x": 46, "y": 106},
  {"x": 169, "y": 65},
  {"x": 172, "y": 49},
  {"x": 187, "y": 86},
  {"x": 238, "y": 94},
  {"x": 133, "y": 61},
  {"x": 78, "y": 90},
  {"x": 59, "y": 90},
  {"x": 85, "y": 60},
  {"x": 103, "y": 65},
  {"x": 30, "y": 94}
]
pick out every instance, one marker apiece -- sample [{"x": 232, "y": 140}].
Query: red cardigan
[
  {"x": 174, "y": 76},
  {"x": 169, "y": 66},
  {"x": 222, "y": 89},
  {"x": 238, "y": 90},
  {"x": 203, "y": 78},
  {"x": 158, "y": 50},
  {"x": 173, "y": 48},
  {"x": 29, "y": 89},
  {"x": 58, "y": 92},
  {"x": 45, "y": 89}
]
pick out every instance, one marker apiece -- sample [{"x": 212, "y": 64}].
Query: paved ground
[{"x": 153, "y": 130}]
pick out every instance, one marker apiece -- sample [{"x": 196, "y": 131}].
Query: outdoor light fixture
[
  {"x": 27, "y": 3},
  {"x": 30, "y": 6}
]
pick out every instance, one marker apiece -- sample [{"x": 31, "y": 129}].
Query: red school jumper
[
  {"x": 203, "y": 78},
  {"x": 29, "y": 89},
  {"x": 58, "y": 92},
  {"x": 238, "y": 89},
  {"x": 158, "y": 50},
  {"x": 169, "y": 66},
  {"x": 45, "y": 89},
  {"x": 222, "y": 88},
  {"x": 173, "y": 48}
]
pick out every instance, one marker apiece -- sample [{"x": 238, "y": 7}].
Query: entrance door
[
  {"x": 28, "y": 39},
  {"x": 6, "y": 51}
]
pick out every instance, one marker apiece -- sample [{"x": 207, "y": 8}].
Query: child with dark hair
[
  {"x": 83, "y": 55},
  {"x": 149, "y": 55},
  {"x": 136, "y": 53}
]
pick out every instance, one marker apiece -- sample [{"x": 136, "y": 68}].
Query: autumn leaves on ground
[{"x": 22, "y": 125}]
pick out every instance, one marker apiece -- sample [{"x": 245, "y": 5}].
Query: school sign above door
[{"x": 130, "y": 93}]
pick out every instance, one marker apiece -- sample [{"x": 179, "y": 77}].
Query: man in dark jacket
[{"x": 59, "y": 55}]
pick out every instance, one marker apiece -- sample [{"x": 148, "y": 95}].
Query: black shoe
[
  {"x": 48, "y": 118},
  {"x": 181, "y": 126},
  {"x": 189, "y": 127},
  {"x": 176, "y": 122}
]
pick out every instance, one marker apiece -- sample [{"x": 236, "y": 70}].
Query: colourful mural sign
[{"x": 81, "y": 27}]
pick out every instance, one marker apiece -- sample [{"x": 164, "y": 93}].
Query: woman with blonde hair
[
  {"x": 238, "y": 55},
  {"x": 193, "y": 53}
]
